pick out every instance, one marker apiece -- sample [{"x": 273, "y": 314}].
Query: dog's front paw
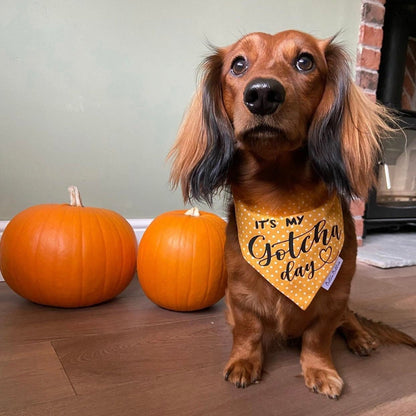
[
  {"x": 243, "y": 372},
  {"x": 323, "y": 381}
]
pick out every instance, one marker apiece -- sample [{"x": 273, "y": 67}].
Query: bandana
[{"x": 298, "y": 253}]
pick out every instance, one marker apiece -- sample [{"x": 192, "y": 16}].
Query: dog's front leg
[
  {"x": 246, "y": 361},
  {"x": 317, "y": 366}
]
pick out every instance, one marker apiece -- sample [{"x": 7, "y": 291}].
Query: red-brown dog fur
[{"x": 323, "y": 137}]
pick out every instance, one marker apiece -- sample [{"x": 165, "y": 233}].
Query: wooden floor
[{"x": 129, "y": 357}]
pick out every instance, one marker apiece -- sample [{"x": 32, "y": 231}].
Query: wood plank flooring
[{"x": 130, "y": 357}]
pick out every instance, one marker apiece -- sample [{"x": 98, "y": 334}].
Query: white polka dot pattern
[{"x": 295, "y": 252}]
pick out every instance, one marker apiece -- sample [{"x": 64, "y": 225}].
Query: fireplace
[{"x": 393, "y": 202}]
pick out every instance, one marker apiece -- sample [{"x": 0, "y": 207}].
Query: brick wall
[{"x": 367, "y": 65}]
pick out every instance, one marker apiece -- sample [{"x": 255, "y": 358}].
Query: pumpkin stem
[
  {"x": 75, "y": 197},
  {"x": 193, "y": 212}
]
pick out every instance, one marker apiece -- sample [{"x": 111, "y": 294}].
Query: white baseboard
[
  {"x": 139, "y": 226},
  {"x": 3, "y": 225}
]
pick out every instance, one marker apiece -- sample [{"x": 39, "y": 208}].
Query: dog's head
[{"x": 270, "y": 94}]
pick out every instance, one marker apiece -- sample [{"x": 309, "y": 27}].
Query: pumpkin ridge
[
  {"x": 210, "y": 257},
  {"x": 71, "y": 218},
  {"x": 35, "y": 250},
  {"x": 195, "y": 238},
  {"x": 116, "y": 235},
  {"x": 177, "y": 262},
  {"x": 81, "y": 226},
  {"x": 12, "y": 231},
  {"x": 179, "y": 268},
  {"x": 121, "y": 252},
  {"x": 57, "y": 279},
  {"x": 17, "y": 280},
  {"x": 156, "y": 246},
  {"x": 116, "y": 224},
  {"x": 104, "y": 261}
]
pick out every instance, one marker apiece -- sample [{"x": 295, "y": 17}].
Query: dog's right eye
[
  {"x": 239, "y": 65},
  {"x": 304, "y": 62}
]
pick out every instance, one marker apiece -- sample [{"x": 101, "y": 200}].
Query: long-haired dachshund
[{"x": 278, "y": 121}]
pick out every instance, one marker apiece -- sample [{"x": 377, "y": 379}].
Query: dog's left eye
[
  {"x": 239, "y": 65},
  {"x": 304, "y": 62}
]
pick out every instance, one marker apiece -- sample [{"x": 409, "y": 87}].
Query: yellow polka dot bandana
[{"x": 298, "y": 253}]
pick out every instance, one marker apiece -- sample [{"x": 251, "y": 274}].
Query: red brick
[
  {"x": 367, "y": 80},
  {"x": 359, "y": 242},
  {"x": 373, "y": 13},
  {"x": 369, "y": 59},
  {"x": 371, "y": 96},
  {"x": 359, "y": 227},
  {"x": 357, "y": 207},
  {"x": 371, "y": 36}
]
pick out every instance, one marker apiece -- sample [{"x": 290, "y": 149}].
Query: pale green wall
[{"x": 92, "y": 91}]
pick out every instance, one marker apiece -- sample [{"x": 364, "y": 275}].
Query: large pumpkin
[
  {"x": 68, "y": 255},
  {"x": 180, "y": 261}
]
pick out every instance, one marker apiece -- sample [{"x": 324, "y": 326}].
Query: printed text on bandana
[{"x": 295, "y": 253}]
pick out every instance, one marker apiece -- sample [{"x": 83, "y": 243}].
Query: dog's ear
[
  {"x": 204, "y": 147},
  {"x": 344, "y": 136}
]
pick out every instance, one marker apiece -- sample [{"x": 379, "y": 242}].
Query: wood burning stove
[{"x": 393, "y": 203}]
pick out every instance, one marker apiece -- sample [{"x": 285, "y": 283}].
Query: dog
[{"x": 278, "y": 122}]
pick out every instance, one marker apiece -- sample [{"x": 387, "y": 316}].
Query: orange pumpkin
[
  {"x": 180, "y": 261},
  {"x": 68, "y": 255}
]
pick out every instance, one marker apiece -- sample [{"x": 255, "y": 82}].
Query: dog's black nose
[{"x": 263, "y": 95}]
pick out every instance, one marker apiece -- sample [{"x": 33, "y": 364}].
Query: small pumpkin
[
  {"x": 180, "y": 260},
  {"x": 68, "y": 255}
]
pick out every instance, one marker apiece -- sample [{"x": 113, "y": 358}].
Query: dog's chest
[{"x": 283, "y": 317}]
